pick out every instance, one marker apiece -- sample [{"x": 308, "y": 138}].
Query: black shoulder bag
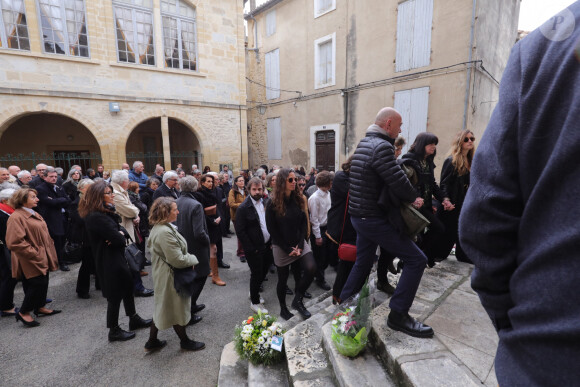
[
  {"x": 134, "y": 255},
  {"x": 183, "y": 279}
]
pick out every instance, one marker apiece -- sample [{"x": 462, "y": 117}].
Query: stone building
[
  {"x": 319, "y": 71},
  {"x": 119, "y": 80}
]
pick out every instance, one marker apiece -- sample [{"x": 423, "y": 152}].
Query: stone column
[{"x": 165, "y": 140}]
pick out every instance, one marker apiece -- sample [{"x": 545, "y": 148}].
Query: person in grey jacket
[
  {"x": 520, "y": 220},
  {"x": 373, "y": 168},
  {"x": 192, "y": 226}
]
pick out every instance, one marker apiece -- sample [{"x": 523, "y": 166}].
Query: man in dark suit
[
  {"x": 39, "y": 178},
  {"x": 168, "y": 188},
  {"x": 519, "y": 222},
  {"x": 253, "y": 233},
  {"x": 52, "y": 203}
]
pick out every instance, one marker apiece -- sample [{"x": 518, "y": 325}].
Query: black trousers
[
  {"x": 220, "y": 250},
  {"x": 35, "y": 290},
  {"x": 343, "y": 269},
  {"x": 303, "y": 268},
  {"x": 446, "y": 241},
  {"x": 113, "y": 305},
  {"x": 7, "y": 283},
  {"x": 320, "y": 254},
  {"x": 87, "y": 268},
  {"x": 385, "y": 259},
  {"x": 259, "y": 262},
  {"x": 59, "y": 241},
  {"x": 198, "y": 285}
]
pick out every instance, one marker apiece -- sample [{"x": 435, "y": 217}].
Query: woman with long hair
[
  {"x": 208, "y": 200},
  {"x": 108, "y": 239},
  {"x": 454, "y": 184},
  {"x": 236, "y": 197},
  {"x": 287, "y": 224},
  {"x": 420, "y": 160},
  {"x": 169, "y": 251},
  {"x": 70, "y": 184},
  {"x": 33, "y": 255}
]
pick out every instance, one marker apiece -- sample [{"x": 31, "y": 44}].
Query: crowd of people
[{"x": 286, "y": 221}]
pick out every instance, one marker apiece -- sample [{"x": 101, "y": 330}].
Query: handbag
[
  {"x": 73, "y": 252},
  {"x": 346, "y": 251},
  {"x": 134, "y": 255},
  {"x": 183, "y": 279},
  {"x": 414, "y": 221},
  {"x": 211, "y": 210}
]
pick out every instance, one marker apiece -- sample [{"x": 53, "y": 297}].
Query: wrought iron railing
[{"x": 64, "y": 160}]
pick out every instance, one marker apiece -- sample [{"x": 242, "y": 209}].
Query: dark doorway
[
  {"x": 66, "y": 159},
  {"x": 325, "y": 150}
]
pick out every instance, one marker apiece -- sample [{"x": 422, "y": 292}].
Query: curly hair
[
  {"x": 279, "y": 200},
  {"x": 160, "y": 210},
  {"x": 461, "y": 162}
]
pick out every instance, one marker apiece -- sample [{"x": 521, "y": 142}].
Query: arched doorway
[
  {"x": 49, "y": 138},
  {"x": 146, "y": 144}
]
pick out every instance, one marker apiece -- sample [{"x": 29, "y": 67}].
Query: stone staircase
[{"x": 456, "y": 356}]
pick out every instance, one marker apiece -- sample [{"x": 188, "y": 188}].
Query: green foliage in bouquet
[
  {"x": 351, "y": 326},
  {"x": 254, "y": 336}
]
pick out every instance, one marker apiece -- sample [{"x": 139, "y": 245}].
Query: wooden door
[{"x": 325, "y": 145}]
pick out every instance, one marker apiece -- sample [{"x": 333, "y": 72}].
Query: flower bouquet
[
  {"x": 352, "y": 324},
  {"x": 253, "y": 339}
]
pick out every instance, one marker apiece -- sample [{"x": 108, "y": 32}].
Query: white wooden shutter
[
  {"x": 271, "y": 23},
  {"x": 413, "y": 105},
  {"x": 274, "y": 130},
  {"x": 273, "y": 74},
  {"x": 414, "y": 23}
]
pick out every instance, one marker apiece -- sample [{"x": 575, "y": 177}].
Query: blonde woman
[{"x": 454, "y": 184}]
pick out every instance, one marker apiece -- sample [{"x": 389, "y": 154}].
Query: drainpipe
[
  {"x": 468, "y": 80},
  {"x": 255, "y": 49}
]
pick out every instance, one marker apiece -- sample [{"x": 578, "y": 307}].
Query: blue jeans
[{"x": 378, "y": 231}]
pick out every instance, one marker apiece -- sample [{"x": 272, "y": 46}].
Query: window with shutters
[
  {"x": 273, "y": 74},
  {"x": 134, "y": 30},
  {"x": 322, "y": 7},
  {"x": 414, "y": 22},
  {"x": 179, "y": 35},
  {"x": 13, "y": 27},
  {"x": 274, "y": 139},
  {"x": 64, "y": 27},
  {"x": 271, "y": 23},
  {"x": 325, "y": 61},
  {"x": 413, "y": 105}
]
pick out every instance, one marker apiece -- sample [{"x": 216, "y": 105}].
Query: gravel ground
[{"x": 71, "y": 349}]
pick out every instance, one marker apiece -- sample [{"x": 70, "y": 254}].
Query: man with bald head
[
  {"x": 378, "y": 188},
  {"x": 13, "y": 169}
]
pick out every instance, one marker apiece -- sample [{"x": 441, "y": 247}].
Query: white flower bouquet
[
  {"x": 253, "y": 339},
  {"x": 352, "y": 324}
]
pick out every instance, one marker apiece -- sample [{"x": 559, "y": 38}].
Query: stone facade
[
  {"x": 461, "y": 74},
  {"x": 210, "y": 102}
]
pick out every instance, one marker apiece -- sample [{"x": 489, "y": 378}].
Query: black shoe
[
  {"x": 84, "y": 296},
  {"x": 261, "y": 288},
  {"x": 136, "y": 322},
  {"x": 48, "y": 300},
  {"x": 430, "y": 263},
  {"x": 400, "y": 266},
  {"x": 385, "y": 286},
  {"x": 154, "y": 345},
  {"x": 191, "y": 345},
  {"x": 272, "y": 268},
  {"x": 194, "y": 320},
  {"x": 52, "y": 313},
  {"x": 197, "y": 308},
  {"x": 243, "y": 259},
  {"x": 307, "y": 295},
  {"x": 289, "y": 291},
  {"x": 404, "y": 323},
  {"x": 148, "y": 263},
  {"x": 299, "y": 306},
  {"x": 117, "y": 334},
  {"x": 29, "y": 324},
  {"x": 223, "y": 265},
  {"x": 323, "y": 285},
  {"x": 285, "y": 313},
  {"x": 144, "y": 293},
  {"x": 64, "y": 267},
  {"x": 392, "y": 269}
]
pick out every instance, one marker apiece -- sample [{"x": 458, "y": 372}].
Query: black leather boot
[
  {"x": 117, "y": 334},
  {"x": 136, "y": 322},
  {"x": 404, "y": 323},
  {"x": 285, "y": 313},
  {"x": 299, "y": 306}
]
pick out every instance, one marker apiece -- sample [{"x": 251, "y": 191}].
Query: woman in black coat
[
  {"x": 147, "y": 193},
  {"x": 108, "y": 240},
  {"x": 420, "y": 160},
  {"x": 70, "y": 184},
  {"x": 206, "y": 196},
  {"x": 454, "y": 184}
]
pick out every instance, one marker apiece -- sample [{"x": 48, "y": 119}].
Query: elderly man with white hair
[
  {"x": 4, "y": 175},
  {"x": 129, "y": 217},
  {"x": 138, "y": 176},
  {"x": 39, "y": 178},
  {"x": 169, "y": 186},
  {"x": 24, "y": 178}
]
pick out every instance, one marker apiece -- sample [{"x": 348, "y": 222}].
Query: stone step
[
  {"x": 233, "y": 370},
  {"x": 364, "y": 370},
  {"x": 268, "y": 376}
]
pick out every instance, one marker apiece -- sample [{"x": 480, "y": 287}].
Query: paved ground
[{"x": 71, "y": 348}]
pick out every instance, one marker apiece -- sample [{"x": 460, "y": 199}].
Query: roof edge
[{"x": 264, "y": 7}]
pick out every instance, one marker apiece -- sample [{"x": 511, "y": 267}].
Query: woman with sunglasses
[
  {"x": 107, "y": 239},
  {"x": 420, "y": 160},
  {"x": 454, "y": 184},
  {"x": 287, "y": 224}
]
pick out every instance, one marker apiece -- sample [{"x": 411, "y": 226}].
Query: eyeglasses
[
  {"x": 292, "y": 180},
  {"x": 466, "y": 139},
  {"x": 301, "y": 185}
]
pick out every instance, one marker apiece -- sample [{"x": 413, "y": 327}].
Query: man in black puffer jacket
[{"x": 373, "y": 169}]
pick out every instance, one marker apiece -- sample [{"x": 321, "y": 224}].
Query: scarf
[{"x": 6, "y": 208}]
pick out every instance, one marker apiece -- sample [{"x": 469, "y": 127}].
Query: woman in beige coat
[
  {"x": 168, "y": 251},
  {"x": 33, "y": 255}
]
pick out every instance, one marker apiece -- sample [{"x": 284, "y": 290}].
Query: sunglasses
[
  {"x": 292, "y": 180},
  {"x": 466, "y": 139},
  {"x": 302, "y": 185}
]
